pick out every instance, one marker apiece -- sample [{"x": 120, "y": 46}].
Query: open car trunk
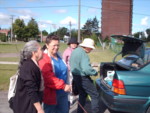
[
  {"x": 107, "y": 72},
  {"x": 131, "y": 46}
]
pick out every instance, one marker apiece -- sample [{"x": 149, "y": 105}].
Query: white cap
[{"x": 88, "y": 42}]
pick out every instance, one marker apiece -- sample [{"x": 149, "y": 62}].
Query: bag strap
[
  {"x": 17, "y": 73},
  {"x": 82, "y": 107}
]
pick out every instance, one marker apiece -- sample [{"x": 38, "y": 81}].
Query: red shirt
[{"x": 51, "y": 82}]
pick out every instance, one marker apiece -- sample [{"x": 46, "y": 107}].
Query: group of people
[{"x": 45, "y": 78}]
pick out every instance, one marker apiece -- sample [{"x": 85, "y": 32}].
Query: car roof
[{"x": 131, "y": 45}]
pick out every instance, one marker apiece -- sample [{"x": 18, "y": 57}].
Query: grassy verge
[
  {"x": 6, "y": 71},
  {"x": 11, "y": 48},
  {"x": 98, "y": 55},
  {"x": 9, "y": 59}
]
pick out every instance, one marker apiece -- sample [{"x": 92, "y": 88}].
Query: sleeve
[
  {"x": 65, "y": 56},
  {"x": 30, "y": 83},
  {"x": 86, "y": 66},
  {"x": 50, "y": 80}
]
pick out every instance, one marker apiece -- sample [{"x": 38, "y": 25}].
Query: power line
[
  {"x": 73, "y": 6},
  {"x": 41, "y": 6}
]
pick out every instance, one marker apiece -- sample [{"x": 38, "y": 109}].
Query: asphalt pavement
[{"x": 4, "y": 106}]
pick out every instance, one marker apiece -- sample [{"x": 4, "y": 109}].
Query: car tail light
[{"x": 118, "y": 87}]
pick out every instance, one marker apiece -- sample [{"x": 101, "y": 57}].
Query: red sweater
[{"x": 51, "y": 82}]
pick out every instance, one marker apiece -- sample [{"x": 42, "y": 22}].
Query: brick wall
[{"x": 116, "y": 17}]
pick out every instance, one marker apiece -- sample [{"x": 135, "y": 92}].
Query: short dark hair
[{"x": 49, "y": 38}]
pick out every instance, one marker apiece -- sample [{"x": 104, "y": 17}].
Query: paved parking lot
[{"x": 4, "y": 107}]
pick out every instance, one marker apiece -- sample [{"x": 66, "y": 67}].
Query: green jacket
[{"x": 80, "y": 63}]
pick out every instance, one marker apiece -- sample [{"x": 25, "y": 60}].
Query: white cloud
[
  {"x": 26, "y": 17},
  {"x": 144, "y": 21},
  {"x": 22, "y": 12},
  {"x": 41, "y": 26},
  {"x": 67, "y": 20},
  {"x": 61, "y": 11},
  {"x": 5, "y": 19},
  {"x": 44, "y": 24}
]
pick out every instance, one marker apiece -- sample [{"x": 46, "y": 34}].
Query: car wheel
[{"x": 148, "y": 110}]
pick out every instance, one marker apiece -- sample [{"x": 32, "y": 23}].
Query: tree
[
  {"x": 87, "y": 28},
  {"x": 44, "y": 33},
  {"x": 3, "y": 37},
  {"x": 95, "y": 26},
  {"x": 148, "y": 33},
  {"x": 74, "y": 33},
  {"x": 61, "y": 32},
  {"x": 19, "y": 29},
  {"x": 32, "y": 28},
  {"x": 137, "y": 34},
  {"x": 91, "y": 26}
]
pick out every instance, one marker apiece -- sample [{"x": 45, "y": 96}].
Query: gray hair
[{"x": 26, "y": 53}]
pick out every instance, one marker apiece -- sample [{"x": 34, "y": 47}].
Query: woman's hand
[
  {"x": 67, "y": 88},
  {"x": 38, "y": 107},
  {"x": 40, "y": 111}
]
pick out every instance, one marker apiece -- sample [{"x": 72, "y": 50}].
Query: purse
[
  {"x": 12, "y": 88},
  {"x": 74, "y": 88}
]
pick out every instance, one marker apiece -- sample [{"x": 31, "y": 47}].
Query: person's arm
[
  {"x": 38, "y": 107},
  {"x": 50, "y": 80},
  {"x": 86, "y": 66},
  {"x": 29, "y": 78},
  {"x": 65, "y": 56}
]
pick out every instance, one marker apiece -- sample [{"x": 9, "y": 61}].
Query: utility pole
[
  {"x": 79, "y": 5},
  {"x": 70, "y": 28},
  {"x": 41, "y": 36},
  {"x": 41, "y": 32},
  {"x": 12, "y": 17}
]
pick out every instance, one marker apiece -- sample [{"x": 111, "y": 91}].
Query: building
[
  {"x": 116, "y": 17},
  {"x": 5, "y": 31}
]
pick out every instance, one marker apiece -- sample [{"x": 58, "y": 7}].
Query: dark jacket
[{"x": 28, "y": 86}]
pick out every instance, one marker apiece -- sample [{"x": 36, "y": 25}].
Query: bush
[
  {"x": 3, "y": 37},
  {"x": 95, "y": 38}
]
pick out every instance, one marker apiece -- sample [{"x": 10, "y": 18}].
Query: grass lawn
[
  {"x": 98, "y": 55},
  {"x": 11, "y": 48},
  {"x": 10, "y": 59},
  {"x": 5, "y": 72}
]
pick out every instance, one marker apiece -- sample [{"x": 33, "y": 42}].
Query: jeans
[
  {"x": 60, "y": 107},
  {"x": 85, "y": 86}
]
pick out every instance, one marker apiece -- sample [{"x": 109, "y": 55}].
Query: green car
[{"x": 124, "y": 84}]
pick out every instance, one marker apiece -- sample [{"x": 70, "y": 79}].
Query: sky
[{"x": 53, "y": 14}]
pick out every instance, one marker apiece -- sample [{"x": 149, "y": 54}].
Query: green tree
[
  {"x": 74, "y": 33},
  {"x": 45, "y": 33},
  {"x": 137, "y": 34},
  {"x": 61, "y": 32},
  {"x": 95, "y": 25},
  {"x": 91, "y": 26},
  {"x": 33, "y": 29},
  {"x": 19, "y": 29},
  {"x": 3, "y": 37},
  {"x": 27, "y": 34},
  {"x": 148, "y": 33},
  {"x": 87, "y": 28}
]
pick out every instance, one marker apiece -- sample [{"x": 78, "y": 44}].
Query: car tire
[{"x": 148, "y": 110}]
